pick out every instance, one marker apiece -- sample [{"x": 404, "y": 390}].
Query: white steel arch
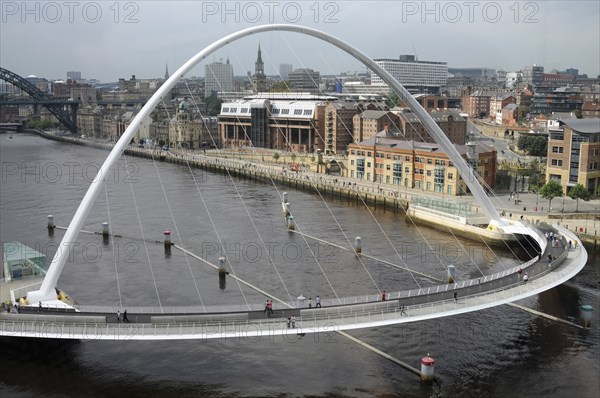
[{"x": 47, "y": 292}]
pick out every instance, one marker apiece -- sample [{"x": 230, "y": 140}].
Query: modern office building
[
  {"x": 416, "y": 76},
  {"x": 287, "y": 125},
  {"x": 284, "y": 70},
  {"x": 218, "y": 76},
  {"x": 533, "y": 75},
  {"x": 73, "y": 75},
  {"x": 305, "y": 80},
  {"x": 574, "y": 154}
]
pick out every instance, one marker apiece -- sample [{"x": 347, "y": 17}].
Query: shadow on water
[{"x": 49, "y": 367}]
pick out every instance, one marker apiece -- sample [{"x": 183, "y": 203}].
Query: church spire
[
  {"x": 166, "y": 71},
  {"x": 259, "y": 79},
  {"x": 259, "y": 58}
]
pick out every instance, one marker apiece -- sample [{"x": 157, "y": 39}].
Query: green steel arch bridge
[{"x": 64, "y": 110}]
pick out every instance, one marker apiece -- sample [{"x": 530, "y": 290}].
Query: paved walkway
[{"x": 471, "y": 295}]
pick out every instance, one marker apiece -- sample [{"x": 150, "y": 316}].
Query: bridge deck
[{"x": 426, "y": 306}]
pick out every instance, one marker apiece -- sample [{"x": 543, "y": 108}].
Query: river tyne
[{"x": 499, "y": 352}]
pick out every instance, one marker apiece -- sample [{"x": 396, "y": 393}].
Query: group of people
[
  {"x": 122, "y": 317},
  {"x": 552, "y": 238},
  {"x": 525, "y": 276},
  {"x": 291, "y": 322},
  {"x": 268, "y": 308}
]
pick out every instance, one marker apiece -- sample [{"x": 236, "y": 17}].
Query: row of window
[
  {"x": 438, "y": 162},
  {"x": 275, "y": 111},
  {"x": 297, "y": 112},
  {"x": 437, "y": 186},
  {"x": 574, "y": 165}
]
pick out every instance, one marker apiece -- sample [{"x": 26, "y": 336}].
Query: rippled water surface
[{"x": 500, "y": 352}]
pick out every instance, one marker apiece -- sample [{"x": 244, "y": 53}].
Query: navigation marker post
[
  {"x": 451, "y": 273},
  {"x": 358, "y": 245},
  {"x": 167, "y": 241},
  {"x": 50, "y": 224}
]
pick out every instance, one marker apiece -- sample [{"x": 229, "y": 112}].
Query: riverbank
[{"x": 260, "y": 168}]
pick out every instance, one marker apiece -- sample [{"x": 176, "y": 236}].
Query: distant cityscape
[{"x": 353, "y": 117}]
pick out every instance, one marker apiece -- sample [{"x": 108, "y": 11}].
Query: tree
[
  {"x": 525, "y": 104},
  {"x": 579, "y": 192},
  {"x": 213, "y": 105},
  {"x": 276, "y": 156},
  {"x": 535, "y": 146},
  {"x": 283, "y": 86},
  {"x": 539, "y": 146},
  {"x": 393, "y": 100},
  {"x": 552, "y": 189},
  {"x": 38, "y": 124},
  {"x": 536, "y": 175}
]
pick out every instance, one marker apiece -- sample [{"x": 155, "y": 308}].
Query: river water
[{"x": 497, "y": 352}]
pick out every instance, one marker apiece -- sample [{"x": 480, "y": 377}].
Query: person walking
[
  {"x": 318, "y": 302},
  {"x": 383, "y": 295},
  {"x": 310, "y": 302},
  {"x": 455, "y": 296},
  {"x": 118, "y": 316},
  {"x": 525, "y": 278},
  {"x": 269, "y": 308},
  {"x": 125, "y": 319}
]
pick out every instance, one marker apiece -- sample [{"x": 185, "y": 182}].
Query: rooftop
[
  {"x": 585, "y": 126},
  {"x": 393, "y": 140}
]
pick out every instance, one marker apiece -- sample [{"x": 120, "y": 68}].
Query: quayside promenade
[{"x": 254, "y": 165}]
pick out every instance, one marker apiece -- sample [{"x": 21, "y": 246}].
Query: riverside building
[{"x": 388, "y": 159}]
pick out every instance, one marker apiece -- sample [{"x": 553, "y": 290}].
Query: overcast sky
[{"x": 107, "y": 40}]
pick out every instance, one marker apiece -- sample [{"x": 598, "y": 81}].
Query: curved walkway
[{"x": 401, "y": 307}]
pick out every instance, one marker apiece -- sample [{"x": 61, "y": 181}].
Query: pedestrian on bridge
[
  {"x": 383, "y": 295},
  {"x": 525, "y": 278},
  {"x": 318, "y": 302},
  {"x": 118, "y": 316},
  {"x": 125, "y": 319},
  {"x": 455, "y": 296}
]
